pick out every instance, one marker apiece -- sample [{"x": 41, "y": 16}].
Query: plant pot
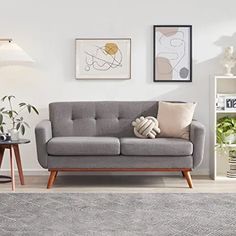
[
  {"x": 14, "y": 134},
  {"x": 230, "y": 139}
]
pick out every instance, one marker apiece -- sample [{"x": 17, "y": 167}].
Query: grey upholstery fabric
[
  {"x": 61, "y": 146},
  {"x": 120, "y": 162},
  {"x": 156, "y": 147},
  {"x": 43, "y": 132},
  {"x": 111, "y": 119},
  {"x": 97, "y": 118},
  {"x": 197, "y": 137}
]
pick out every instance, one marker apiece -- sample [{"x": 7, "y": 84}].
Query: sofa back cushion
[{"x": 98, "y": 118}]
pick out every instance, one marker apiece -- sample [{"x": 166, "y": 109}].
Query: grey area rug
[{"x": 117, "y": 214}]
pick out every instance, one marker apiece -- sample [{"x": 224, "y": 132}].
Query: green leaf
[
  {"x": 1, "y": 119},
  {"x": 35, "y": 110},
  {"x": 18, "y": 126},
  {"x": 10, "y": 97},
  {"x": 22, "y": 104},
  {"x": 1, "y": 129},
  {"x": 22, "y": 129},
  {"x": 229, "y": 132},
  {"x": 226, "y": 124},
  {"x": 220, "y": 130},
  {"x": 26, "y": 124},
  {"x": 3, "y": 99},
  {"x": 10, "y": 114},
  {"x": 29, "y": 108}
]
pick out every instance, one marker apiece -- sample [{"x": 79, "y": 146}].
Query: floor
[{"x": 123, "y": 184}]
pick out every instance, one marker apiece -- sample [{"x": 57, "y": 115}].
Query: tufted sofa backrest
[{"x": 98, "y": 118}]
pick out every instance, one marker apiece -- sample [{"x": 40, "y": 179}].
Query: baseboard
[
  {"x": 201, "y": 172},
  {"x": 43, "y": 172},
  {"x": 31, "y": 172}
]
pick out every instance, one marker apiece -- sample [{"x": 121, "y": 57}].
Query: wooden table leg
[
  {"x": 18, "y": 162},
  {"x": 12, "y": 170},
  {"x": 2, "y": 149}
]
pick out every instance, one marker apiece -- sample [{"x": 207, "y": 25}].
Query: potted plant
[
  {"x": 226, "y": 130},
  {"x": 14, "y": 115}
]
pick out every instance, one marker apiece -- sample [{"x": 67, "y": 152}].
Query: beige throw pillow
[{"x": 175, "y": 119}]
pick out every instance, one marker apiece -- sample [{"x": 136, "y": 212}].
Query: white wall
[{"x": 47, "y": 30}]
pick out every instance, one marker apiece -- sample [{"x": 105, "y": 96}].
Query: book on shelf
[
  {"x": 232, "y": 161},
  {"x": 231, "y": 175},
  {"x": 232, "y": 153}
]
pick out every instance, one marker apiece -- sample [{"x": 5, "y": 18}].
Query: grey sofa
[{"x": 98, "y": 136}]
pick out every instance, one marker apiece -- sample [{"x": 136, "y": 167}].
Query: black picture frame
[{"x": 184, "y": 69}]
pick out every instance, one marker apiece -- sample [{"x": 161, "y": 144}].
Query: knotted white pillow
[{"x": 146, "y": 127}]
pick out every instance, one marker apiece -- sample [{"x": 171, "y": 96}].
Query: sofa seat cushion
[
  {"x": 72, "y": 146},
  {"x": 156, "y": 147}
]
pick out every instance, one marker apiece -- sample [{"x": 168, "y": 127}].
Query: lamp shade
[{"x": 11, "y": 53}]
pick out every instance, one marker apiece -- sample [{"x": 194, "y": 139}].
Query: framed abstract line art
[
  {"x": 172, "y": 53},
  {"x": 103, "y": 58}
]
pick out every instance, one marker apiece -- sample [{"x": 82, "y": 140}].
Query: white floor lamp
[{"x": 11, "y": 53}]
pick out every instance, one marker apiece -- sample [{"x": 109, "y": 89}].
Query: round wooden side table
[{"x": 13, "y": 146}]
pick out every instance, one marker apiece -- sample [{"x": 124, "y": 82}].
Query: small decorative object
[
  {"x": 230, "y": 103},
  {"x": 172, "y": 53},
  {"x": 14, "y": 134},
  {"x": 103, "y": 58},
  {"x": 231, "y": 173},
  {"x": 146, "y": 127},
  {"x": 5, "y": 137},
  {"x": 220, "y": 102},
  {"x": 229, "y": 60},
  {"x": 14, "y": 116}
]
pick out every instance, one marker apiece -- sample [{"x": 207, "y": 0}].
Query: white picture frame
[{"x": 103, "y": 58}]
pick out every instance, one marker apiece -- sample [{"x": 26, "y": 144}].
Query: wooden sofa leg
[
  {"x": 52, "y": 177},
  {"x": 55, "y": 177},
  {"x": 187, "y": 176}
]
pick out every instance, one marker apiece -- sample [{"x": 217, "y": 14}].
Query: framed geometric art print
[
  {"x": 103, "y": 58},
  {"x": 172, "y": 53}
]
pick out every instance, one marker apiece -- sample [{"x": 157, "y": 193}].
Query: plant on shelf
[
  {"x": 13, "y": 114},
  {"x": 226, "y": 130}
]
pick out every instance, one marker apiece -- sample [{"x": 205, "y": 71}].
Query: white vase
[
  {"x": 230, "y": 139},
  {"x": 14, "y": 134}
]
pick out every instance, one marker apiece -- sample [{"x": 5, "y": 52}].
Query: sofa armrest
[
  {"x": 197, "y": 137},
  {"x": 43, "y": 132}
]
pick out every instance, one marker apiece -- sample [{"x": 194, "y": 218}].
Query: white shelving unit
[{"x": 219, "y": 163}]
